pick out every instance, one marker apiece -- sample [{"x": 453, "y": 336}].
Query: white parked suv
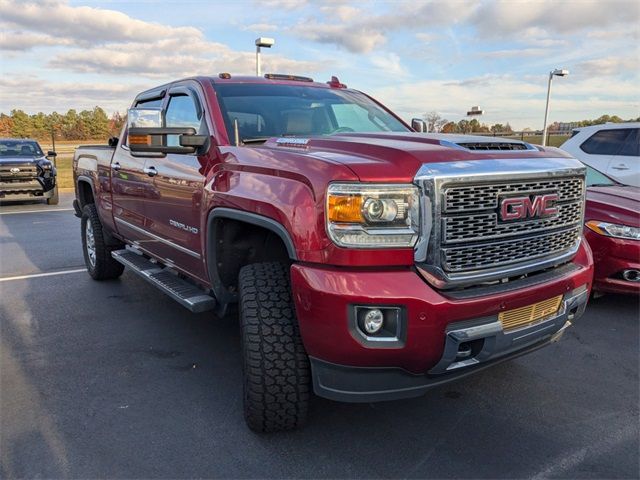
[{"x": 613, "y": 148}]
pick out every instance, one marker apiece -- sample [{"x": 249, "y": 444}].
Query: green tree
[{"x": 21, "y": 127}]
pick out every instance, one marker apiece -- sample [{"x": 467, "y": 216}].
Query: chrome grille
[
  {"x": 466, "y": 242},
  {"x": 474, "y": 257},
  {"x": 483, "y": 197},
  {"x": 484, "y": 226}
]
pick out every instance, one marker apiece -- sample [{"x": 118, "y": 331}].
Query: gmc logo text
[{"x": 534, "y": 206}]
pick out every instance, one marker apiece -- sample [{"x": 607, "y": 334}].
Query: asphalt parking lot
[{"x": 116, "y": 380}]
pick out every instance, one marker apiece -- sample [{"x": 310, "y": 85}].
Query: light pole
[
  {"x": 262, "y": 42},
  {"x": 559, "y": 73}
]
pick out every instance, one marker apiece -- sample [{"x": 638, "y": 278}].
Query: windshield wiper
[{"x": 602, "y": 185}]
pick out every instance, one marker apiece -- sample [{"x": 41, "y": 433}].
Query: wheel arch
[{"x": 251, "y": 226}]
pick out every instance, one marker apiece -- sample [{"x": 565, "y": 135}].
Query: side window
[
  {"x": 606, "y": 142},
  {"x": 631, "y": 146},
  {"x": 181, "y": 112}
]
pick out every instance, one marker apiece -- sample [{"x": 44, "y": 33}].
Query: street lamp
[
  {"x": 559, "y": 73},
  {"x": 262, "y": 42}
]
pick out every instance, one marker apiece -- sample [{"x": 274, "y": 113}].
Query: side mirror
[
  {"x": 147, "y": 134},
  {"x": 51, "y": 153},
  {"x": 418, "y": 125}
]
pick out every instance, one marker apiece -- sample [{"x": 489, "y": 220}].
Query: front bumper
[
  {"x": 435, "y": 325},
  {"x": 28, "y": 189},
  {"x": 611, "y": 257}
]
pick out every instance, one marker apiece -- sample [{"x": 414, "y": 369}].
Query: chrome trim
[
  {"x": 432, "y": 179},
  {"x": 156, "y": 237}
]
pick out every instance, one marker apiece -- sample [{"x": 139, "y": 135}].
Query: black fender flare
[
  {"x": 84, "y": 179},
  {"x": 223, "y": 296}
]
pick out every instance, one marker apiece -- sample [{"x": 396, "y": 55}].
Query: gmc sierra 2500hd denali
[{"x": 369, "y": 261}]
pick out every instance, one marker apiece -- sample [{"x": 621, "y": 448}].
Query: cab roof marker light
[
  {"x": 279, "y": 76},
  {"x": 335, "y": 83},
  {"x": 224, "y": 75}
]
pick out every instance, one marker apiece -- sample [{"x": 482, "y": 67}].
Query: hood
[
  {"x": 396, "y": 157},
  {"x": 21, "y": 160},
  {"x": 616, "y": 204}
]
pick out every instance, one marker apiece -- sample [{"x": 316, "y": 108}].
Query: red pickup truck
[{"x": 369, "y": 261}]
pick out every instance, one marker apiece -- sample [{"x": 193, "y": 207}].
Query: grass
[
  {"x": 64, "y": 160},
  {"x": 554, "y": 140}
]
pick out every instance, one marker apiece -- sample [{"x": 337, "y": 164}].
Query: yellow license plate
[{"x": 525, "y": 316}]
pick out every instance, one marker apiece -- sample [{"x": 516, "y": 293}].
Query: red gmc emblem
[{"x": 534, "y": 206}]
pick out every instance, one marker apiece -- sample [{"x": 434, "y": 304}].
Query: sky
[{"x": 414, "y": 56}]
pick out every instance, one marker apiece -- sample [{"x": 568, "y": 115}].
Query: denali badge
[
  {"x": 534, "y": 206},
  {"x": 14, "y": 171},
  {"x": 182, "y": 226}
]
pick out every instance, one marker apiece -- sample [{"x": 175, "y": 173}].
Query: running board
[{"x": 183, "y": 292}]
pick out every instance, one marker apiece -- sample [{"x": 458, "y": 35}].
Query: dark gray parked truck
[{"x": 26, "y": 173}]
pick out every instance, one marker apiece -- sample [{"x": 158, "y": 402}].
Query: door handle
[
  {"x": 151, "y": 171},
  {"x": 116, "y": 166},
  {"x": 622, "y": 166}
]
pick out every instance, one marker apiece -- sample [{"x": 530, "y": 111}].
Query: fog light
[{"x": 373, "y": 321}]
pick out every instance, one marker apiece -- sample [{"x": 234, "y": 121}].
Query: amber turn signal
[
  {"x": 345, "y": 208},
  {"x": 139, "y": 139}
]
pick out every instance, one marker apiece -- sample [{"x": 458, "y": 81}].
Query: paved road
[{"x": 115, "y": 380}]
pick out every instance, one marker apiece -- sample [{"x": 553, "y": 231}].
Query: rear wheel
[
  {"x": 276, "y": 366},
  {"x": 97, "y": 255}
]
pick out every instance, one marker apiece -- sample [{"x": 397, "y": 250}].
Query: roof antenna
[{"x": 236, "y": 132}]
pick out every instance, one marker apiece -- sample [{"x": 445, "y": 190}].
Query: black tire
[
  {"x": 55, "y": 198},
  {"x": 101, "y": 265},
  {"x": 275, "y": 364}
]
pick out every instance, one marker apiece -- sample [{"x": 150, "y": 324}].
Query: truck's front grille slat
[
  {"x": 495, "y": 254},
  {"x": 484, "y": 226},
  {"x": 483, "y": 197}
]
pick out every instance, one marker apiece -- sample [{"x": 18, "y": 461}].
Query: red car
[{"x": 612, "y": 222}]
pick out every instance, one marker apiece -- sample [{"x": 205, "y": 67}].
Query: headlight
[
  {"x": 614, "y": 230},
  {"x": 373, "y": 216}
]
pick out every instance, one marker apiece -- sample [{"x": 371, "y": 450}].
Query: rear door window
[
  {"x": 606, "y": 142},
  {"x": 631, "y": 147}
]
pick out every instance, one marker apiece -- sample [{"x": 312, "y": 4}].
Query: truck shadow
[{"x": 133, "y": 385}]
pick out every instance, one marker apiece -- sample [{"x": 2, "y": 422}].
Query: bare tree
[{"x": 434, "y": 121}]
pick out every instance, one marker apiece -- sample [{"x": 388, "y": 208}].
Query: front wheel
[
  {"x": 55, "y": 198},
  {"x": 276, "y": 366},
  {"x": 97, "y": 254}
]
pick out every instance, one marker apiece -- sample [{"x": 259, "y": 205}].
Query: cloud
[
  {"x": 390, "y": 64},
  {"x": 609, "y": 66},
  {"x": 518, "y": 100},
  {"x": 516, "y": 52},
  {"x": 506, "y": 17},
  {"x": 87, "y": 25},
  {"x": 20, "y": 41},
  {"x": 37, "y": 94},
  {"x": 357, "y": 32},
  {"x": 111, "y": 42},
  {"x": 260, "y": 27}
]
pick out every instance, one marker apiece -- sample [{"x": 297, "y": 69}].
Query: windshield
[
  {"x": 598, "y": 179},
  {"x": 263, "y": 111},
  {"x": 20, "y": 148}
]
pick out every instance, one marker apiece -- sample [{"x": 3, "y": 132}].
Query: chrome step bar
[{"x": 185, "y": 293}]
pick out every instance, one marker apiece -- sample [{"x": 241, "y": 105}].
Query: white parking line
[
  {"x": 37, "y": 275},
  {"x": 37, "y": 211}
]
